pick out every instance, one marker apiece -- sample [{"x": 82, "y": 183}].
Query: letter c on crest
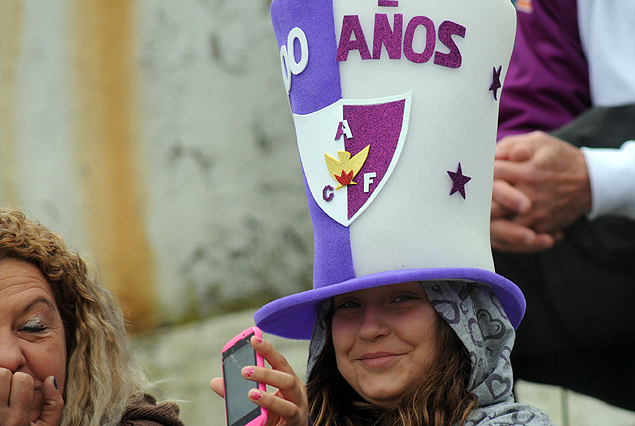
[{"x": 327, "y": 193}]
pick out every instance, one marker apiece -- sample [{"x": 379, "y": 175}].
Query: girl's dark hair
[{"x": 441, "y": 398}]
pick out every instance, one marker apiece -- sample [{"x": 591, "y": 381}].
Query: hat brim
[{"x": 293, "y": 316}]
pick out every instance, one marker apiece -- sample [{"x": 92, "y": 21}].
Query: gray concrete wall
[{"x": 156, "y": 135}]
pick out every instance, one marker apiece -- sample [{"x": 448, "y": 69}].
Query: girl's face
[{"x": 385, "y": 340}]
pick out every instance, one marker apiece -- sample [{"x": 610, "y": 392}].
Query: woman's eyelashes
[
  {"x": 347, "y": 304},
  {"x": 35, "y": 325},
  {"x": 405, "y": 298}
]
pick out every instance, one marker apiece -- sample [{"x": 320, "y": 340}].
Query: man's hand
[
  {"x": 506, "y": 235},
  {"x": 541, "y": 185}
]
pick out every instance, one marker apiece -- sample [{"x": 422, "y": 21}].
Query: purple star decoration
[
  {"x": 496, "y": 81},
  {"x": 458, "y": 181}
]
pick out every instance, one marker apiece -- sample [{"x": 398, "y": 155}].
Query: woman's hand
[
  {"x": 20, "y": 404},
  {"x": 288, "y": 405}
]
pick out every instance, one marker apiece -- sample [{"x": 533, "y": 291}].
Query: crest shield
[{"x": 349, "y": 149}]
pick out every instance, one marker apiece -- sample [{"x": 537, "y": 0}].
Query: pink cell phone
[{"x": 237, "y": 354}]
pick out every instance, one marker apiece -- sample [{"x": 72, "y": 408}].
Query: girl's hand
[{"x": 288, "y": 405}]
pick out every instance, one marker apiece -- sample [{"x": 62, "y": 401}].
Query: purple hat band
[
  {"x": 293, "y": 316},
  {"x": 392, "y": 217}
]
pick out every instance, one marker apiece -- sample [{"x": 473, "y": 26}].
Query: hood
[{"x": 477, "y": 317}]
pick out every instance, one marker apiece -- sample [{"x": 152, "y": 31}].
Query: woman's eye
[
  {"x": 404, "y": 298},
  {"x": 347, "y": 304},
  {"x": 34, "y": 326}
]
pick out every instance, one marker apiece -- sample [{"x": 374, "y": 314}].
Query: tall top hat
[{"x": 395, "y": 105}]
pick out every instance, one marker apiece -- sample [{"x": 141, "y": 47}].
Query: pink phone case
[{"x": 260, "y": 362}]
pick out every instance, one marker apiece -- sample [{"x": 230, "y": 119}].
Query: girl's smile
[{"x": 385, "y": 339}]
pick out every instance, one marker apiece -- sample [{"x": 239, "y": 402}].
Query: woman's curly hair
[{"x": 102, "y": 378}]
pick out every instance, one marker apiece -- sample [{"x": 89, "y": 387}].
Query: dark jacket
[{"x": 148, "y": 413}]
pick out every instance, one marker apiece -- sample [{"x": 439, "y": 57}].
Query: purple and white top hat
[{"x": 395, "y": 105}]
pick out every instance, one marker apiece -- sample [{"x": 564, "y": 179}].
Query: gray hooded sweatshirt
[{"x": 477, "y": 317}]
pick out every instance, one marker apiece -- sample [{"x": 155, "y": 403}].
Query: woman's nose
[
  {"x": 373, "y": 324},
  {"x": 11, "y": 354}
]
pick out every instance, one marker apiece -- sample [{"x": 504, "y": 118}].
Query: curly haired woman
[{"x": 64, "y": 352}]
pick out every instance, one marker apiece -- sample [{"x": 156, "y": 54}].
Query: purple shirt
[{"x": 547, "y": 84}]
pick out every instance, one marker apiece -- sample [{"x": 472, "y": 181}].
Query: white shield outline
[{"x": 315, "y": 134}]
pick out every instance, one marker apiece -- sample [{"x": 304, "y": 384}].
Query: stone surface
[{"x": 157, "y": 136}]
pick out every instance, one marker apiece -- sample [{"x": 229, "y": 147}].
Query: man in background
[{"x": 563, "y": 208}]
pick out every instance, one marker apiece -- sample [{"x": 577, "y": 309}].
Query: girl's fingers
[
  {"x": 218, "y": 385},
  {"x": 276, "y": 405},
  {"x": 271, "y": 354},
  {"x": 289, "y": 385},
  {"x": 281, "y": 374},
  {"x": 289, "y": 401}
]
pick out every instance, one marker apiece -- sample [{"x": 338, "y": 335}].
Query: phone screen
[{"x": 240, "y": 410}]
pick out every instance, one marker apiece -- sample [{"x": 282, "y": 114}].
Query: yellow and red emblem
[{"x": 346, "y": 168}]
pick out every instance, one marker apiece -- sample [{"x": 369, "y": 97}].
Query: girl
[{"x": 414, "y": 353}]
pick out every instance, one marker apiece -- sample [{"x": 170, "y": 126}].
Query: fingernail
[
  {"x": 258, "y": 340},
  {"x": 255, "y": 395},
  {"x": 524, "y": 206},
  {"x": 248, "y": 371},
  {"x": 55, "y": 383}
]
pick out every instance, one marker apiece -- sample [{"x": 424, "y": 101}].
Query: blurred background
[{"x": 156, "y": 136}]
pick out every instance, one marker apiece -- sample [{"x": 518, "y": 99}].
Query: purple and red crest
[{"x": 349, "y": 150}]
